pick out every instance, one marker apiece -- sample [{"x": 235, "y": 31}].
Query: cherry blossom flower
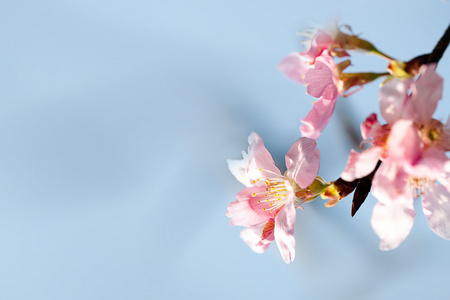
[
  {"x": 315, "y": 69},
  {"x": 412, "y": 147},
  {"x": 267, "y": 205}
]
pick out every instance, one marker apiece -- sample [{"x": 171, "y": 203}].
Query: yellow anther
[
  {"x": 254, "y": 194},
  {"x": 264, "y": 209},
  {"x": 259, "y": 201},
  {"x": 253, "y": 181}
]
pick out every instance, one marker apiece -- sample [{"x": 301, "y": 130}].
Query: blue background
[{"x": 116, "y": 120}]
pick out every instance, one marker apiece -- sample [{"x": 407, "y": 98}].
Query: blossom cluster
[{"x": 403, "y": 158}]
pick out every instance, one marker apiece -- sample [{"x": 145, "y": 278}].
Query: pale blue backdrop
[{"x": 116, "y": 120}]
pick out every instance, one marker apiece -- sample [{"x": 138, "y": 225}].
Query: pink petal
[
  {"x": 247, "y": 169},
  {"x": 392, "y": 98},
  {"x": 430, "y": 166},
  {"x": 317, "y": 118},
  {"x": 268, "y": 231},
  {"x": 259, "y": 157},
  {"x": 389, "y": 183},
  {"x": 425, "y": 93},
  {"x": 392, "y": 223},
  {"x": 320, "y": 82},
  {"x": 246, "y": 211},
  {"x": 302, "y": 161},
  {"x": 369, "y": 126},
  {"x": 361, "y": 164},
  {"x": 319, "y": 42},
  {"x": 284, "y": 231},
  {"x": 444, "y": 177},
  {"x": 446, "y": 167},
  {"x": 326, "y": 59},
  {"x": 404, "y": 143},
  {"x": 252, "y": 237},
  {"x": 436, "y": 207},
  {"x": 294, "y": 66}
]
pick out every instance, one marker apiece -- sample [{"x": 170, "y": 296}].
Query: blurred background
[{"x": 116, "y": 120}]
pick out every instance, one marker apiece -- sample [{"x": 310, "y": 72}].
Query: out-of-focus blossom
[
  {"x": 412, "y": 148},
  {"x": 267, "y": 205},
  {"x": 324, "y": 79},
  {"x": 315, "y": 68}
]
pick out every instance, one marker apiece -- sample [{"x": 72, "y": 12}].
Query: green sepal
[{"x": 311, "y": 192}]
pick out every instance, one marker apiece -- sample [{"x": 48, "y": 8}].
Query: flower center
[
  {"x": 273, "y": 197},
  {"x": 434, "y": 134}
]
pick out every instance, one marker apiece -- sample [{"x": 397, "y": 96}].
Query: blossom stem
[
  {"x": 350, "y": 80},
  {"x": 381, "y": 54},
  {"x": 355, "y": 43},
  {"x": 365, "y": 75},
  {"x": 439, "y": 50}
]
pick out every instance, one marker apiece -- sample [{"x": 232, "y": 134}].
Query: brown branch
[{"x": 439, "y": 50}]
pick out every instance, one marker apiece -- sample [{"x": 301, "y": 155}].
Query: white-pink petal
[
  {"x": 392, "y": 223},
  {"x": 317, "y": 118},
  {"x": 390, "y": 183},
  {"x": 436, "y": 207},
  {"x": 446, "y": 167},
  {"x": 294, "y": 66},
  {"x": 247, "y": 169},
  {"x": 361, "y": 164},
  {"x": 302, "y": 161},
  {"x": 392, "y": 98},
  {"x": 284, "y": 231},
  {"x": 252, "y": 237},
  {"x": 259, "y": 157},
  {"x": 239, "y": 168}
]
